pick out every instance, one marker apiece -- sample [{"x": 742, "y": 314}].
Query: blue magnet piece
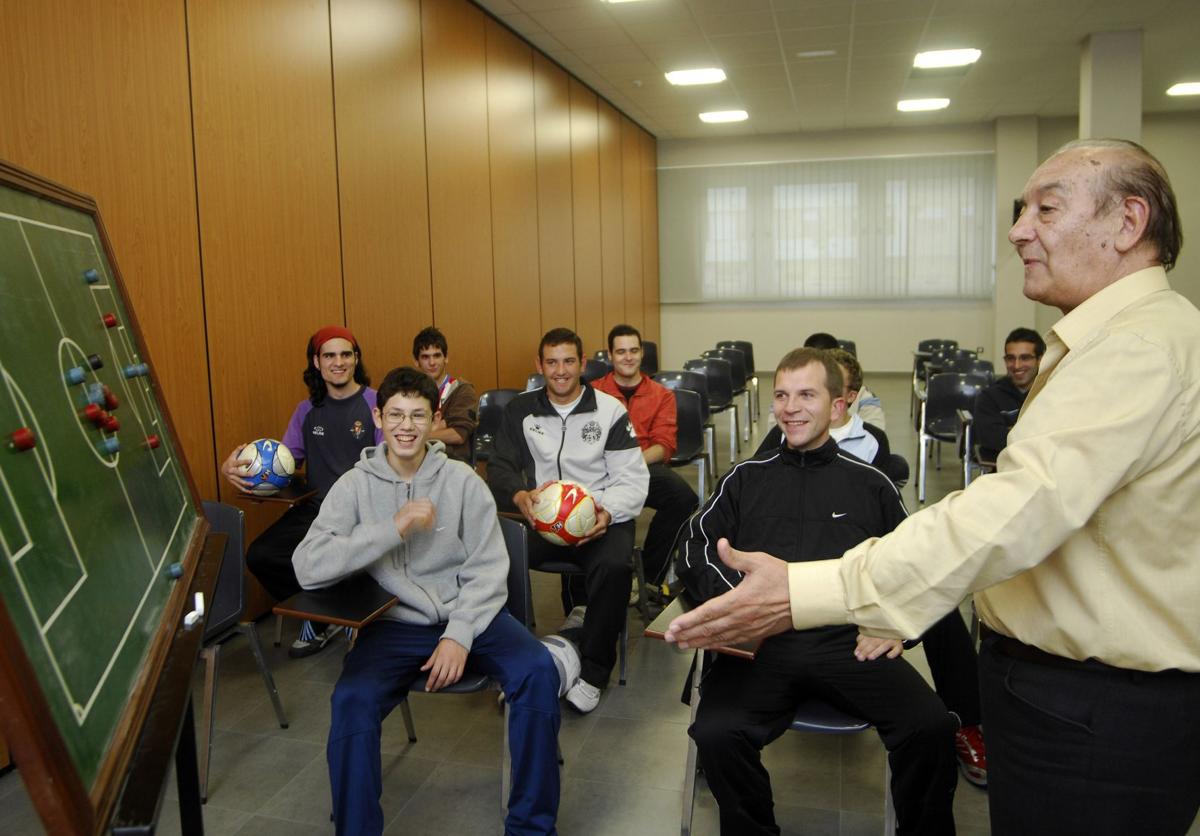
[
  {"x": 95, "y": 394},
  {"x": 76, "y": 375},
  {"x": 109, "y": 446},
  {"x": 143, "y": 369},
  {"x": 133, "y": 371},
  {"x": 175, "y": 570},
  {"x": 91, "y": 276}
]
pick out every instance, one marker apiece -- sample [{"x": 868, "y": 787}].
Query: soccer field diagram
[{"x": 95, "y": 504}]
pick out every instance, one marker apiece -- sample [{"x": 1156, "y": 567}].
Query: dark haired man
[
  {"x": 569, "y": 431},
  {"x": 458, "y": 404},
  {"x": 997, "y": 406},
  {"x": 425, "y": 528},
  {"x": 326, "y": 432},
  {"x": 651, "y": 407},
  {"x": 1081, "y": 550},
  {"x": 806, "y": 500}
]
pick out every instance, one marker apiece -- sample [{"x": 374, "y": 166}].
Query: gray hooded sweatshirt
[{"x": 455, "y": 574}]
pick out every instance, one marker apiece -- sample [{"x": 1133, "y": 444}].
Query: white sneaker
[
  {"x": 574, "y": 620},
  {"x": 566, "y": 661},
  {"x": 583, "y": 697}
]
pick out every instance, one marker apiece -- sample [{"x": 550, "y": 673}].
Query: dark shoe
[{"x": 311, "y": 642}]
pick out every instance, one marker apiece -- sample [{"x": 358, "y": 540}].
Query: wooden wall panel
[
  {"x": 612, "y": 228},
  {"x": 267, "y": 182},
  {"x": 650, "y": 296},
  {"x": 631, "y": 216},
  {"x": 585, "y": 185},
  {"x": 513, "y": 148},
  {"x": 460, "y": 218},
  {"x": 380, "y": 123},
  {"x": 99, "y": 102},
  {"x": 556, "y": 246}
]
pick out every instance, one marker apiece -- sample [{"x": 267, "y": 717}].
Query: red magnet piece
[
  {"x": 110, "y": 400},
  {"x": 93, "y": 413},
  {"x": 152, "y": 442},
  {"x": 22, "y": 439},
  {"x": 109, "y": 320},
  {"x": 111, "y": 424}
]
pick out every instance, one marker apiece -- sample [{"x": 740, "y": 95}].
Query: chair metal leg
[
  {"x": 710, "y": 445},
  {"x": 406, "y": 713},
  {"x": 639, "y": 570},
  {"x": 278, "y": 630},
  {"x": 248, "y": 629},
  {"x": 208, "y": 714},
  {"x": 701, "y": 472},
  {"x": 733, "y": 434},
  {"x": 749, "y": 418},
  {"x": 689, "y": 769},
  {"x": 922, "y": 453},
  {"x": 757, "y": 406}
]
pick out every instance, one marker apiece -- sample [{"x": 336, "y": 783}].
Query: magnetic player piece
[
  {"x": 111, "y": 424},
  {"x": 91, "y": 276},
  {"x": 137, "y": 370},
  {"x": 110, "y": 400},
  {"x": 95, "y": 362},
  {"x": 95, "y": 393},
  {"x": 109, "y": 446},
  {"x": 93, "y": 413},
  {"x": 22, "y": 439},
  {"x": 109, "y": 320},
  {"x": 175, "y": 571},
  {"x": 152, "y": 442},
  {"x": 75, "y": 375}
]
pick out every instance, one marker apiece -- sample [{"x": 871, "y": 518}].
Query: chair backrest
[
  {"x": 595, "y": 369},
  {"x": 491, "y": 416},
  {"x": 689, "y": 425},
  {"x": 228, "y": 600},
  {"x": 849, "y": 345},
  {"x": 719, "y": 374},
  {"x": 694, "y": 381},
  {"x": 979, "y": 368},
  {"x": 947, "y": 393},
  {"x": 535, "y": 381},
  {"x": 520, "y": 592},
  {"x": 603, "y": 356},
  {"x": 896, "y": 468},
  {"x": 649, "y": 357},
  {"x": 737, "y": 364},
  {"x": 936, "y": 344},
  {"x": 746, "y": 348}
]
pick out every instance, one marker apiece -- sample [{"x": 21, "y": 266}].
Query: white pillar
[
  {"x": 1110, "y": 86},
  {"x": 1016, "y": 158}
]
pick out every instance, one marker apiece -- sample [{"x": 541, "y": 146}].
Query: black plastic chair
[
  {"x": 738, "y": 367},
  {"x": 720, "y": 394},
  {"x": 747, "y": 348},
  {"x": 689, "y": 437},
  {"x": 534, "y": 381},
  {"x": 946, "y": 394},
  {"x": 849, "y": 345},
  {"x": 224, "y": 622},
  {"x": 697, "y": 382},
  {"x": 491, "y": 417},
  {"x": 979, "y": 368},
  {"x": 594, "y": 369},
  {"x": 925, "y": 349},
  {"x": 649, "y": 357},
  {"x": 603, "y": 356}
]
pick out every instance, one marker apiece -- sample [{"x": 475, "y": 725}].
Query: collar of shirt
[{"x": 1103, "y": 306}]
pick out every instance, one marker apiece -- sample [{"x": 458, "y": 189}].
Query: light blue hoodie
[{"x": 455, "y": 574}]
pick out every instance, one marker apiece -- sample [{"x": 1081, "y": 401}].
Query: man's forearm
[{"x": 654, "y": 454}]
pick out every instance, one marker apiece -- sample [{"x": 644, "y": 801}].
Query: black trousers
[
  {"x": 269, "y": 557},
  {"x": 744, "y": 705},
  {"x": 1083, "y": 748},
  {"x": 955, "y": 667},
  {"x": 607, "y": 567},
  {"x": 673, "y": 501}
]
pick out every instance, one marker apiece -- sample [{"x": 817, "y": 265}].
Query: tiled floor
[{"x": 624, "y": 762}]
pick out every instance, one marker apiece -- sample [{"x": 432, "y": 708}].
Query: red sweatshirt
[{"x": 652, "y": 410}]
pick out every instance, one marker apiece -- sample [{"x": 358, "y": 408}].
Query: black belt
[{"x": 1010, "y": 647}]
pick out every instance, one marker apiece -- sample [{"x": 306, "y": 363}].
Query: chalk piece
[
  {"x": 22, "y": 439},
  {"x": 109, "y": 320},
  {"x": 175, "y": 570},
  {"x": 91, "y": 276},
  {"x": 95, "y": 362},
  {"x": 75, "y": 375},
  {"x": 191, "y": 620},
  {"x": 109, "y": 446}
]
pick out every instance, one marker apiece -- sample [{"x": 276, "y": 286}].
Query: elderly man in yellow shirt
[{"x": 1082, "y": 550}]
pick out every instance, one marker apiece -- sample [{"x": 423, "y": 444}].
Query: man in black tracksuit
[{"x": 808, "y": 501}]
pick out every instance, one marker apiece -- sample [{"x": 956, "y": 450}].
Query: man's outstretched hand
[{"x": 757, "y": 607}]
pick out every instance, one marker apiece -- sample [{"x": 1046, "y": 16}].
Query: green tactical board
[{"x": 86, "y": 536}]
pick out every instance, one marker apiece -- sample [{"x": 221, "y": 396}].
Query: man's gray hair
[{"x": 1137, "y": 173}]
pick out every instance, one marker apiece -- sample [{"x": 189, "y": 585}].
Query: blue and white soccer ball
[{"x": 269, "y": 464}]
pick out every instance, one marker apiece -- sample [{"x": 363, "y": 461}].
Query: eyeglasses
[
  {"x": 1024, "y": 358},
  {"x": 395, "y": 418}
]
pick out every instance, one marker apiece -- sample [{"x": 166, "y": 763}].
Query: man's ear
[
  {"x": 837, "y": 410},
  {"x": 1134, "y": 214},
  {"x": 851, "y": 397},
  {"x": 378, "y": 416}
]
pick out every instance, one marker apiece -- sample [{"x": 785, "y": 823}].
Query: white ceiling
[{"x": 1030, "y": 64}]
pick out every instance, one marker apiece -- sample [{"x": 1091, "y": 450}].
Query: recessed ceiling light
[
  {"x": 914, "y": 105},
  {"x": 817, "y": 53},
  {"x": 614, "y": 2},
  {"x": 725, "y": 116},
  {"x": 1184, "y": 88},
  {"x": 946, "y": 58},
  {"x": 703, "y": 75}
]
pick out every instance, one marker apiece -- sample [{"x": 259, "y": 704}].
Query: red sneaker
[{"x": 972, "y": 757}]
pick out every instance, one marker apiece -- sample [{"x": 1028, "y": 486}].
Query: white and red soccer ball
[{"x": 564, "y": 513}]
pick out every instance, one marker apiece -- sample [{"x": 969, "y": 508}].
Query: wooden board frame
[{"x": 58, "y": 793}]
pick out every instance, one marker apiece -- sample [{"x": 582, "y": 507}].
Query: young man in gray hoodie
[{"x": 425, "y": 528}]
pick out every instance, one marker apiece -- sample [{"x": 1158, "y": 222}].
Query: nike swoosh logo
[{"x": 837, "y": 515}]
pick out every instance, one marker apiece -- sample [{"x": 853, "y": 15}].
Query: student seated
[
  {"x": 425, "y": 528},
  {"x": 867, "y": 405},
  {"x": 457, "y": 401},
  {"x": 805, "y": 500},
  {"x": 997, "y": 406}
]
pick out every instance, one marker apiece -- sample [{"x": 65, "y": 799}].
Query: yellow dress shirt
[{"x": 1086, "y": 541}]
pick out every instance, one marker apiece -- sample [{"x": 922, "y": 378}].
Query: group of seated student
[
  {"x": 392, "y": 501},
  {"x": 997, "y": 406}
]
